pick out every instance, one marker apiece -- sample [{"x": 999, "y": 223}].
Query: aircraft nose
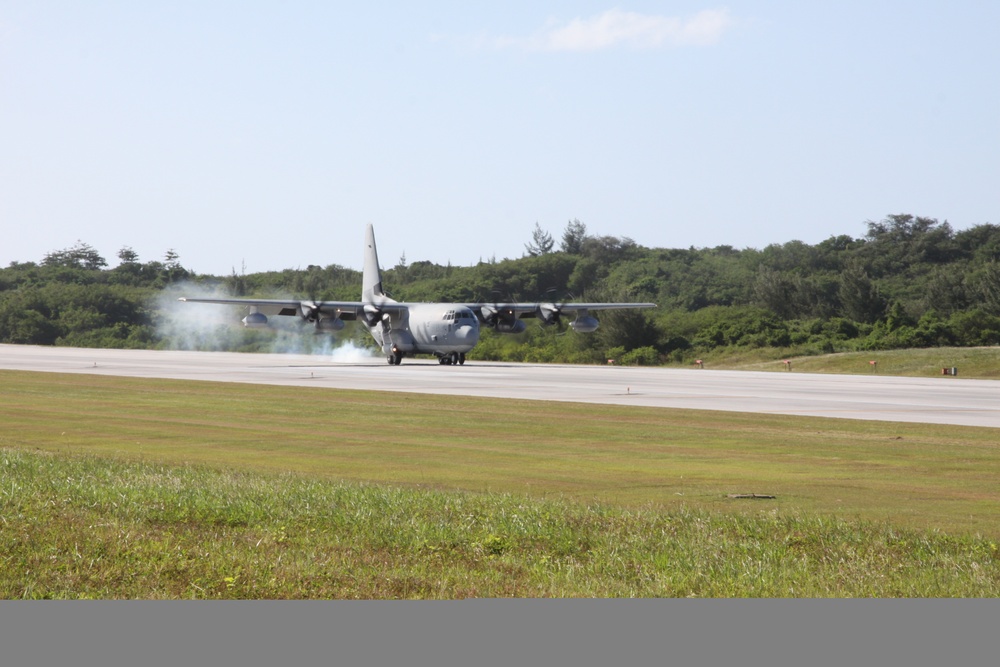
[{"x": 467, "y": 334}]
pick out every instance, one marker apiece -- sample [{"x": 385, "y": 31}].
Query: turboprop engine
[
  {"x": 503, "y": 320},
  {"x": 511, "y": 326},
  {"x": 329, "y": 324}
]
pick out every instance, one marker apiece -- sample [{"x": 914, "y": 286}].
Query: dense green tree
[
  {"x": 980, "y": 243},
  {"x": 609, "y": 249},
  {"x": 630, "y": 329},
  {"x": 859, "y": 295},
  {"x": 79, "y": 256},
  {"x": 586, "y": 273},
  {"x": 987, "y": 287},
  {"x": 541, "y": 242},
  {"x": 747, "y": 327},
  {"x": 945, "y": 291},
  {"x": 128, "y": 256},
  {"x": 573, "y": 237},
  {"x": 774, "y": 291},
  {"x": 899, "y": 242},
  {"x": 975, "y": 327}
]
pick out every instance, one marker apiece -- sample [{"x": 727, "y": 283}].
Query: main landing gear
[
  {"x": 449, "y": 359},
  {"x": 452, "y": 359}
]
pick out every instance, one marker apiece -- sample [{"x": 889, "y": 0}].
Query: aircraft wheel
[
  {"x": 461, "y": 359},
  {"x": 453, "y": 359},
  {"x": 397, "y": 358},
  {"x": 391, "y": 359}
]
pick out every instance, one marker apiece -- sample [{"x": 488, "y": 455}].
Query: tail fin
[{"x": 371, "y": 288}]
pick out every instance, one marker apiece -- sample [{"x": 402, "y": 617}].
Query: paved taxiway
[{"x": 937, "y": 400}]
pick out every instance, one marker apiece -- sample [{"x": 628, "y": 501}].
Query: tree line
[{"x": 910, "y": 281}]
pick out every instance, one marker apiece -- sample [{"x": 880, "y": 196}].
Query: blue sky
[{"x": 270, "y": 133}]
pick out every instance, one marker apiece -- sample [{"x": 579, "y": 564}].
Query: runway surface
[{"x": 937, "y": 400}]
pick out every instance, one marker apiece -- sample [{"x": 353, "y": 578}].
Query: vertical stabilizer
[{"x": 371, "y": 288}]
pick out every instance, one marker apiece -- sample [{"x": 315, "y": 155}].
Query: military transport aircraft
[{"x": 446, "y": 330}]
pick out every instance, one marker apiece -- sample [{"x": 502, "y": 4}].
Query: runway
[{"x": 937, "y": 400}]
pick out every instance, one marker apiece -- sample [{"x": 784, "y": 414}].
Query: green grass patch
[
  {"x": 80, "y": 526},
  {"x": 173, "y": 489},
  {"x": 971, "y": 362},
  {"x": 924, "y": 476}
]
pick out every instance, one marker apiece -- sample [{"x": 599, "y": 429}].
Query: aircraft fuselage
[{"x": 447, "y": 331}]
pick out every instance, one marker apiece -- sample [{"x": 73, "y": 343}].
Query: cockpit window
[{"x": 453, "y": 315}]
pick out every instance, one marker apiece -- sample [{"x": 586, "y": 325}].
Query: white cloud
[{"x": 615, "y": 28}]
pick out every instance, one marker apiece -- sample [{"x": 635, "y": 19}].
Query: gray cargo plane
[{"x": 446, "y": 330}]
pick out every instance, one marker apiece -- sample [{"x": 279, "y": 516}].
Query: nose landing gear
[{"x": 452, "y": 359}]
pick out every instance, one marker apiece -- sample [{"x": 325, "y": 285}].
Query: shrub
[{"x": 643, "y": 356}]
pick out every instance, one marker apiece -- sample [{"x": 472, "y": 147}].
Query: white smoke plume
[
  {"x": 185, "y": 326},
  {"x": 217, "y": 327},
  {"x": 350, "y": 352}
]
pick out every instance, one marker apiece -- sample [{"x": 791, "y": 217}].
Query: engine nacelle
[
  {"x": 585, "y": 324},
  {"x": 255, "y": 321},
  {"x": 329, "y": 324},
  {"x": 547, "y": 314},
  {"x": 511, "y": 326}
]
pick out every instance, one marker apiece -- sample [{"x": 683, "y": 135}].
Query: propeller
[
  {"x": 312, "y": 311},
  {"x": 500, "y": 317},
  {"x": 549, "y": 312},
  {"x": 372, "y": 314},
  {"x": 491, "y": 311},
  {"x": 309, "y": 310}
]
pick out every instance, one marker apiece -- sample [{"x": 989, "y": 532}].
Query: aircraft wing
[
  {"x": 523, "y": 310},
  {"x": 313, "y": 311},
  {"x": 508, "y": 317},
  {"x": 577, "y": 307},
  {"x": 347, "y": 310}
]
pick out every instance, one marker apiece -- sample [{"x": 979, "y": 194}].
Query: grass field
[
  {"x": 474, "y": 497},
  {"x": 971, "y": 362}
]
